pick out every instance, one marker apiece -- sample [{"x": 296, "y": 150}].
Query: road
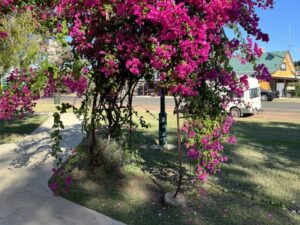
[
  {"x": 267, "y": 106},
  {"x": 155, "y": 101},
  {"x": 279, "y": 110},
  {"x": 281, "y": 106}
]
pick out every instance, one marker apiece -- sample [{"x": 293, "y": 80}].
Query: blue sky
[{"x": 276, "y": 22}]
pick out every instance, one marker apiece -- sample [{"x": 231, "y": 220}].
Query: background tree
[{"x": 22, "y": 46}]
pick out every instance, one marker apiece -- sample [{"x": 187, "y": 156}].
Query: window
[
  {"x": 254, "y": 92},
  {"x": 283, "y": 66}
]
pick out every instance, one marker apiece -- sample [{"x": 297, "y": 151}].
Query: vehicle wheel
[
  {"x": 235, "y": 112},
  {"x": 264, "y": 97}
]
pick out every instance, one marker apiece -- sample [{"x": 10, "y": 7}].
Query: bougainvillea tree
[{"x": 183, "y": 41}]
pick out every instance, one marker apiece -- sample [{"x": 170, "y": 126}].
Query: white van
[{"x": 249, "y": 103}]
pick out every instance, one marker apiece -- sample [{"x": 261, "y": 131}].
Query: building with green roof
[{"x": 279, "y": 64}]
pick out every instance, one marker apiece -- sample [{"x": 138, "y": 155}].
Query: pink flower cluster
[
  {"x": 134, "y": 65},
  {"x": 262, "y": 73},
  {"x": 110, "y": 66},
  {"x": 163, "y": 55},
  {"x": 170, "y": 37},
  {"x": 250, "y": 51},
  {"x": 229, "y": 81},
  {"x": 3, "y": 35},
  {"x": 6, "y": 3},
  {"x": 50, "y": 88},
  {"x": 17, "y": 98},
  {"x": 205, "y": 148},
  {"x": 74, "y": 85},
  {"x": 68, "y": 81},
  {"x": 54, "y": 184}
]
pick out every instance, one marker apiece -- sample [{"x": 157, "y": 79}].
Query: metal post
[
  {"x": 162, "y": 120},
  {"x": 56, "y": 98}
]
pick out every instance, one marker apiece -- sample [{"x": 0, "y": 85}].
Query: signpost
[{"x": 162, "y": 120}]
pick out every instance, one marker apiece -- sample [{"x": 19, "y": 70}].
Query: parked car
[
  {"x": 249, "y": 103},
  {"x": 268, "y": 95}
]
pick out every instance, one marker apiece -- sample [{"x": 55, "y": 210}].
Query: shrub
[
  {"x": 297, "y": 90},
  {"x": 111, "y": 153}
]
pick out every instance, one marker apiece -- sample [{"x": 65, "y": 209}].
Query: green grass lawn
[
  {"x": 12, "y": 131},
  {"x": 259, "y": 185},
  {"x": 47, "y": 105}
]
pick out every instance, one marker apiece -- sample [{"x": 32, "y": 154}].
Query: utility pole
[
  {"x": 290, "y": 42},
  {"x": 162, "y": 120}
]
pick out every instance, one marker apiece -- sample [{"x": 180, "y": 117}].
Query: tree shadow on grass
[
  {"x": 229, "y": 209},
  {"x": 18, "y": 127},
  {"x": 280, "y": 139},
  {"x": 140, "y": 203},
  {"x": 264, "y": 164},
  {"x": 134, "y": 204},
  {"x": 279, "y": 154},
  {"x": 34, "y": 204},
  {"x": 162, "y": 165}
]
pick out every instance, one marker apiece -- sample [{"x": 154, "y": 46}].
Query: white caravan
[{"x": 249, "y": 103}]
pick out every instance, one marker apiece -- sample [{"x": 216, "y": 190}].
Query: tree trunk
[
  {"x": 179, "y": 149},
  {"x": 92, "y": 135}
]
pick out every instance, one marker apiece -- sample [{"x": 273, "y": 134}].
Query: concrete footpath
[{"x": 25, "y": 168}]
